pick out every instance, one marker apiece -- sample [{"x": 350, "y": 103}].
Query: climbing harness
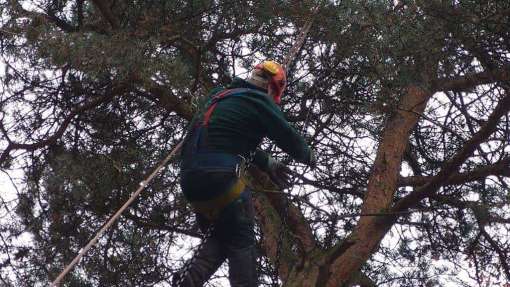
[
  {"x": 197, "y": 155},
  {"x": 212, "y": 208}
]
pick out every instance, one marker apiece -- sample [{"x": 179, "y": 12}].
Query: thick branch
[
  {"x": 296, "y": 221},
  {"x": 468, "y": 82},
  {"x": 501, "y": 168},
  {"x": 380, "y": 192},
  {"x": 365, "y": 239},
  {"x": 481, "y": 212},
  {"x": 452, "y": 165},
  {"x": 167, "y": 100}
]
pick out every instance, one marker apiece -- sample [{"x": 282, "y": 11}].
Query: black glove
[{"x": 279, "y": 173}]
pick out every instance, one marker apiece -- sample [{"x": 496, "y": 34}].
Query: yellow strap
[{"x": 211, "y": 208}]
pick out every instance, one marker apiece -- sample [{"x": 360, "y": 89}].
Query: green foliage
[{"x": 121, "y": 82}]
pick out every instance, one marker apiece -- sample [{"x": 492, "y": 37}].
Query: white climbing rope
[{"x": 93, "y": 241}]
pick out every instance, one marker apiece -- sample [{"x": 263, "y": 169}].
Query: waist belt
[
  {"x": 220, "y": 162},
  {"x": 212, "y": 208},
  {"x": 212, "y": 161}
]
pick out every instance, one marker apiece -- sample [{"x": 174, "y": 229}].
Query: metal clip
[
  {"x": 240, "y": 167},
  {"x": 238, "y": 170}
]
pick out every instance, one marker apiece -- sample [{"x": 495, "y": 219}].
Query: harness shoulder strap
[
  {"x": 223, "y": 95},
  {"x": 201, "y": 129}
]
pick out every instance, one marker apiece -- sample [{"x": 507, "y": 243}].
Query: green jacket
[{"x": 239, "y": 123}]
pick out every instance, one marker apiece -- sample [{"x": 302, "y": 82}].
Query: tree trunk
[{"x": 340, "y": 265}]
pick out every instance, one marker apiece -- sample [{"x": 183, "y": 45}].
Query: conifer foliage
[{"x": 405, "y": 102}]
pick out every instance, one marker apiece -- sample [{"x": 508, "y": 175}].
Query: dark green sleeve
[{"x": 281, "y": 131}]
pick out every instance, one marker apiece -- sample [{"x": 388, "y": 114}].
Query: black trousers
[{"x": 232, "y": 239}]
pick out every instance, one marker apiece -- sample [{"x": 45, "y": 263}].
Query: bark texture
[{"x": 381, "y": 188}]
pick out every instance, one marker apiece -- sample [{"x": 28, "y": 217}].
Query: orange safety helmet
[{"x": 277, "y": 79}]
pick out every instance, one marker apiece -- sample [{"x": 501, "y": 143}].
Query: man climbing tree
[{"x": 222, "y": 140}]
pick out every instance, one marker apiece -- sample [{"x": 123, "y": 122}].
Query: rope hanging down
[
  {"x": 114, "y": 218},
  {"x": 286, "y": 63},
  {"x": 289, "y": 58}
]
